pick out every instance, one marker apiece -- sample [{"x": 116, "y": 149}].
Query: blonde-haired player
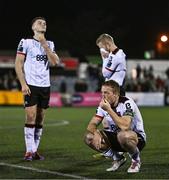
[
  {"x": 127, "y": 129},
  {"x": 113, "y": 68}
]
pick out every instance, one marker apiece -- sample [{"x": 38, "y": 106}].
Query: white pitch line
[
  {"x": 60, "y": 123},
  {"x": 42, "y": 171}
]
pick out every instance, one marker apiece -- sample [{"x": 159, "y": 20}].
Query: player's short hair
[
  {"x": 37, "y": 18},
  {"x": 104, "y": 38},
  {"x": 114, "y": 85}
]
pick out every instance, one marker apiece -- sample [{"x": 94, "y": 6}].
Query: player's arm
[
  {"x": 123, "y": 122},
  {"x": 52, "y": 56},
  {"x": 92, "y": 128},
  {"x": 19, "y": 62},
  {"x": 108, "y": 70},
  {"x": 104, "y": 54},
  {"x": 94, "y": 123},
  {"x": 111, "y": 67}
]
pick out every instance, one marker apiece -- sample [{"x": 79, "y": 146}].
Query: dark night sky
[{"x": 75, "y": 25}]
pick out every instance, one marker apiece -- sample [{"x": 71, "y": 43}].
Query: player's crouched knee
[
  {"x": 124, "y": 137},
  {"x": 88, "y": 138}
]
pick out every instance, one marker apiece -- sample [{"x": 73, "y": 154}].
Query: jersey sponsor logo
[
  {"x": 41, "y": 57},
  {"x": 114, "y": 128}
]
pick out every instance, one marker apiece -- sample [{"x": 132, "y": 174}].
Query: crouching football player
[{"x": 127, "y": 130}]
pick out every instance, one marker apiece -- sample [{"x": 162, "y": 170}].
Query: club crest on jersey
[
  {"x": 20, "y": 47},
  {"x": 109, "y": 63}
]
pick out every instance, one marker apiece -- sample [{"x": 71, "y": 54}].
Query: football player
[
  {"x": 127, "y": 130},
  {"x": 34, "y": 55}
]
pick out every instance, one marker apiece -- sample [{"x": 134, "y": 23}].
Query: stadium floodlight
[
  {"x": 162, "y": 45},
  {"x": 164, "y": 38}
]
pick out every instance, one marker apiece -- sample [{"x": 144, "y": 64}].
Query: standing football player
[
  {"x": 32, "y": 62},
  {"x": 114, "y": 61}
]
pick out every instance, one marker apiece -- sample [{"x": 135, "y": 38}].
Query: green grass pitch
[{"x": 66, "y": 155}]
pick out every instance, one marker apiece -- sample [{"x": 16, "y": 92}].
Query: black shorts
[
  {"x": 115, "y": 145},
  {"x": 39, "y": 96}
]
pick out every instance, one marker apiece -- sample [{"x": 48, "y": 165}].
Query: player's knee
[
  {"x": 30, "y": 117},
  {"x": 122, "y": 137},
  {"x": 104, "y": 141},
  {"x": 104, "y": 146},
  {"x": 126, "y": 138},
  {"x": 88, "y": 138}
]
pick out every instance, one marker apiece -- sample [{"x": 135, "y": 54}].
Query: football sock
[
  {"x": 38, "y": 134},
  {"x": 115, "y": 155},
  {"x": 136, "y": 155},
  {"x": 108, "y": 153},
  {"x": 29, "y": 131}
]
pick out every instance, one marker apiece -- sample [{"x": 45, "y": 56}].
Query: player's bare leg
[
  {"x": 29, "y": 131},
  {"x": 129, "y": 141},
  {"x": 38, "y": 132}
]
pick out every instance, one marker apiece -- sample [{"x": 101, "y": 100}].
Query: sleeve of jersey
[
  {"x": 129, "y": 109},
  {"x": 99, "y": 113},
  {"x": 22, "y": 47},
  {"x": 52, "y": 46},
  {"x": 108, "y": 68}
]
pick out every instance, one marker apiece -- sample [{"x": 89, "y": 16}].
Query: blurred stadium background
[
  {"x": 74, "y": 98},
  {"x": 76, "y": 81}
]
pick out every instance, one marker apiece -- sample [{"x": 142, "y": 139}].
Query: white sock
[
  {"x": 108, "y": 153},
  {"x": 37, "y": 137},
  {"x": 29, "y": 139},
  {"x": 115, "y": 155},
  {"x": 136, "y": 155}
]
